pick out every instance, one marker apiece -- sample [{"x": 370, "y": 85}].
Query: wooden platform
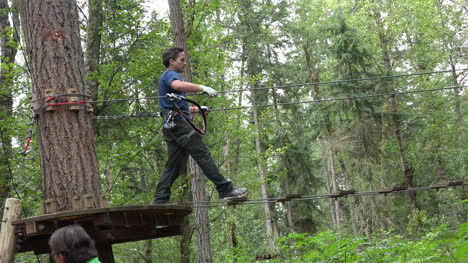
[{"x": 106, "y": 226}]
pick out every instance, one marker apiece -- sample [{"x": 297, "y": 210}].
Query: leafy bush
[{"x": 440, "y": 245}]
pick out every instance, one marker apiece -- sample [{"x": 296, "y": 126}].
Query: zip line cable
[
  {"x": 299, "y": 85},
  {"x": 339, "y": 99},
  {"x": 345, "y": 80},
  {"x": 276, "y": 87},
  {"x": 104, "y": 117},
  {"x": 341, "y": 194}
]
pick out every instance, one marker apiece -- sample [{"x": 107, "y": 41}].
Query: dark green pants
[{"x": 183, "y": 141}]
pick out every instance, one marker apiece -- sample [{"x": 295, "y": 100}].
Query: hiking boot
[{"x": 235, "y": 193}]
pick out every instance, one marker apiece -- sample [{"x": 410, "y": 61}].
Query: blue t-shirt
[{"x": 165, "y": 87}]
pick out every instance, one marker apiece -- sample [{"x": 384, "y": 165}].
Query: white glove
[
  {"x": 205, "y": 110},
  {"x": 211, "y": 92}
]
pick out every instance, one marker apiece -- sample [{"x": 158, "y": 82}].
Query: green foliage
[
  {"x": 438, "y": 245},
  {"x": 237, "y": 45}
]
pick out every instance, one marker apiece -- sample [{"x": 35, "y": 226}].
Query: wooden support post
[
  {"x": 34, "y": 102},
  {"x": 7, "y": 235},
  {"x": 104, "y": 248},
  {"x": 73, "y": 99},
  {"x": 50, "y": 93},
  {"x": 50, "y": 206},
  {"x": 89, "y": 106}
]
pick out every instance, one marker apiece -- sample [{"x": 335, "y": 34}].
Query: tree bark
[
  {"x": 66, "y": 138},
  {"x": 198, "y": 178},
  {"x": 93, "y": 47},
  {"x": 326, "y": 175},
  {"x": 180, "y": 37},
  {"x": 201, "y": 215}
]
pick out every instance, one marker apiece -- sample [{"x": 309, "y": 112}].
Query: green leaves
[{"x": 440, "y": 245}]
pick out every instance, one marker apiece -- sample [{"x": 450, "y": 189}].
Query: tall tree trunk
[
  {"x": 326, "y": 175},
  {"x": 180, "y": 37},
  {"x": 93, "y": 47},
  {"x": 201, "y": 215},
  {"x": 187, "y": 230},
  {"x": 314, "y": 78},
  {"x": 351, "y": 200},
  {"x": 334, "y": 185},
  {"x": 198, "y": 178},
  {"x": 270, "y": 228},
  {"x": 8, "y": 54},
  {"x": 459, "y": 113},
  {"x": 66, "y": 138},
  {"x": 289, "y": 212},
  {"x": 407, "y": 170},
  {"x": 237, "y": 143}
]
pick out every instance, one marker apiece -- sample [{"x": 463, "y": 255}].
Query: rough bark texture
[
  {"x": 180, "y": 37},
  {"x": 66, "y": 138},
  {"x": 93, "y": 47},
  {"x": 198, "y": 178},
  {"x": 201, "y": 215}
]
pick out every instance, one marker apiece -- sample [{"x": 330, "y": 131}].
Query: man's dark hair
[
  {"x": 171, "y": 53},
  {"x": 73, "y": 243}
]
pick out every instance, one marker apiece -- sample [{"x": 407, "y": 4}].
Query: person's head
[
  {"x": 174, "y": 59},
  {"x": 71, "y": 244}
]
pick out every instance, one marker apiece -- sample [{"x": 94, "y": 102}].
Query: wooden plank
[
  {"x": 11, "y": 212},
  {"x": 179, "y": 210},
  {"x": 111, "y": 225},
  {"x": 123, "y": 235},
  {"x": 105, "y": 252},
  {"x": 38, "y": 244}
]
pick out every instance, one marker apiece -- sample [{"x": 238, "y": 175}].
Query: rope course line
[
  {"x": 339, "y": 194},
  {"x": 109, "y": 117},
  {"x": 276, "y": 87},
  {"x": 346, "y": 80},
  {"x": 296, "y": 85},
  {"x": 341, "y": 99}
]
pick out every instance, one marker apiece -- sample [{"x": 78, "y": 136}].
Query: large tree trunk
[
  {"x": 201, "y": 215},
  {"x": 8, "y": 54},
  {"x": 66, "y": 138},
  {"x": 93, "y": 47},
  {"x": 180, "y": 36},
  {"x": 198, "y": 178}
]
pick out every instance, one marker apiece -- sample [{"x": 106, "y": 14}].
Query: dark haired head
[
  {"x": 73, "y": 243},
  {"x": 171, "y": 53}
]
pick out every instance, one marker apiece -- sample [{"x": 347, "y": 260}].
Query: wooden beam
[
  {"x": 106, "y": 226},
  {"x": 7, "y": 235}
]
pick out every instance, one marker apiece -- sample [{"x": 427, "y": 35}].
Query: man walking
[{"x": 181, "y": 139}]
